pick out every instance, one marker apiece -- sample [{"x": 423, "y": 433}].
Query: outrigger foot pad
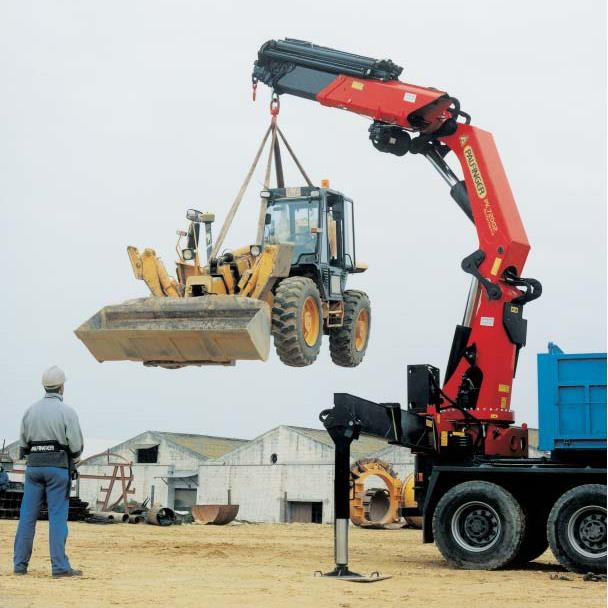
[{"x": 344, "y": 574}]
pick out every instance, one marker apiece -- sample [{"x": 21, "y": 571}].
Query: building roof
[
  {"x": 364, "y": 446},
  {"x": 205, "y": 445}
]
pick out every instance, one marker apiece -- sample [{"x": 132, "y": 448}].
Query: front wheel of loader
[
  {"x": 297, "y": 321},
  {"x": 347, "y": 344}
]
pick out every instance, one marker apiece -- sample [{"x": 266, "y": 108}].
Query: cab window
[{"x": 294, "y": 222}]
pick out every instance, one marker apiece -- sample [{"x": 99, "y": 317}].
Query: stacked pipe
[{"x": 10, "y": 504}]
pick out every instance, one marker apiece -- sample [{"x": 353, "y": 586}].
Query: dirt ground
[{"x": 255, "y": 565}]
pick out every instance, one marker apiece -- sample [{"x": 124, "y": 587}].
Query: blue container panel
[
  {"x": 580, "y": 369},
  {"x": 572, "y": 400},
  {"x": 597, "y": 396}
]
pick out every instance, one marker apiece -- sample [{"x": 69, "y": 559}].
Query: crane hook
[{"x": 275, "y": 104}]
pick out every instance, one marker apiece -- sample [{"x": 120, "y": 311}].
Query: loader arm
[{"x": 486, "y": 345}]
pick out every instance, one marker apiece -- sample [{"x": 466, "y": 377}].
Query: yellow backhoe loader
[{"x": 291, "y": 285}]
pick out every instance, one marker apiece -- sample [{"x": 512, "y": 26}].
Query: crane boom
[{"x": 430, "y": 122}]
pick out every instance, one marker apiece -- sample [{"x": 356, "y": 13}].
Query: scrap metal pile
[
  {"x": 10, "y": 503},
  {"x": 156, "y": 516}
]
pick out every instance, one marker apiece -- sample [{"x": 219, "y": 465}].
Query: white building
[
  {"x": 165, "y": 468},
  {"x": 287, "y": 474},
  {"x": 284, "y": 475}
]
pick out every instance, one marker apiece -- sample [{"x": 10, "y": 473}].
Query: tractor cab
[{"x": 319, "y": 224}]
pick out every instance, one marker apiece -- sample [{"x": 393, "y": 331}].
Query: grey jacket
[{"x": 51, "y": 420}]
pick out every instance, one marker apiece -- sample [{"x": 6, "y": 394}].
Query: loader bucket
[
  {"x": 175, "y": 332},
  {"x": 218, "y": 515}
]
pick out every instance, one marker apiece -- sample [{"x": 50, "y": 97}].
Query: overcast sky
[{"x": 117, "y": 116}]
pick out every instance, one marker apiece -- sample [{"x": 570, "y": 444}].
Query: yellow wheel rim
[
  {"x": 311, "y": 323},
  {"x": 361, "y": 330}
]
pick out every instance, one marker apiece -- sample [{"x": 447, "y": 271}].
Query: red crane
[{"x": 476, "y": 393}]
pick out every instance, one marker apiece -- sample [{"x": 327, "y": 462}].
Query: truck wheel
[
  {"x": 577, "y": 529},
  {"x": 534, "y": 544},
  {"x": 297, "y": 321},
  {"x": 478, "y": 525},
  {"x": 347, "y": 344}
]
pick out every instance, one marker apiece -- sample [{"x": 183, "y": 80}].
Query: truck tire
[
  {"x": 535, "y": 541},
  {"x": 478, "y": 525},
  {"x": 577, "y": 529},
  {"x": 297, "y": 321},
  {"x": 534, "y": 544},
  {"x": 347, "y": 344}
]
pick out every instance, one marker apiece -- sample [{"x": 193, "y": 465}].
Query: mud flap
[{"x": 176, "y": 332}]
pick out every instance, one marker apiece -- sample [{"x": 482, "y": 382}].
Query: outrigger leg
[{"x": 343, "y": 428}]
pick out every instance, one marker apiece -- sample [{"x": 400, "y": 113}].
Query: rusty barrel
[
  {"x": 218, "y": 515},
  {"x": 161, "y": 516},
  {"x": 175, "y": 332}
]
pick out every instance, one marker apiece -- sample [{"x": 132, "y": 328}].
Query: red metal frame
[
  {"x": 390, "y": 102},
  {"x": 502, "y": 238}
]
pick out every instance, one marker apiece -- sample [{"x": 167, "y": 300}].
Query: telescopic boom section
[
  {"x": 350, "y": 82},
  {"x": 484, "y": 353}
]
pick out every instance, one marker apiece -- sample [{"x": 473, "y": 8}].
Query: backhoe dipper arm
[{"x": 484, "y": 352}]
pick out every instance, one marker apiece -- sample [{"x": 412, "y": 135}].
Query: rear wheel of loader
[
  {"x": 577, "y": 529},
  {"x": 478, "y": 525},
  {"x": 347, "y": 344},
  {"x": 297, "y": 321}
]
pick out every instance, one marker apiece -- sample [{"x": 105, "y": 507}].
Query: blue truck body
[{"x": 571, "y": 400}]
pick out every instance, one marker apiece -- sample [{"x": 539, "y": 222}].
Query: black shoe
[
  {"x": 71, "y": 572},
  {"x": 19, "y": 572}
]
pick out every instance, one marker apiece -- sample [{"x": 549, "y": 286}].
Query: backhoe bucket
[{"x": 175, "y": 332}]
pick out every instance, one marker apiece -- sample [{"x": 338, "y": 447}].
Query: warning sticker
[
  {"x": 487, "y": 321},
  {"x": 357, "y": 85},
  {"x": 496, "y": 266},
  {"x": 409, "y": 97}
]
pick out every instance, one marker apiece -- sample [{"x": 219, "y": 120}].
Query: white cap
[{"x": 53, "y": 377}]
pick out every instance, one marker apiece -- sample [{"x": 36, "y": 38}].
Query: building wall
[
  {"x": 145, "y": 477},
  {"x": 288, "y": 445},
  {"x": 157, "y": 479},
  {"x": 168, "y": 453},
  {"x": 262, "y": 491},
  {"x": 261, "y": 477}
]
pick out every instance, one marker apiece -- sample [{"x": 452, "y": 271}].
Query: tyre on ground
[
  {"x": 297, "y": 321},
  {"x": 478, "y": 525},
  {"x": 535, "y": 541},
  {"x": 577, "y": 529},
  {"x": 347, "y": 344}
]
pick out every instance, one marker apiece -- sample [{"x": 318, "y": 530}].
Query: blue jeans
[{"x": 55, "y": 483}]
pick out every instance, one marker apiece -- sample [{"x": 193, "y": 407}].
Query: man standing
[
  {"x": 4, "y": 480},
  {"x": 52, "y": 439}
]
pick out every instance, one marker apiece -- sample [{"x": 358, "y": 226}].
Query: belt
[{"x": 48, "y": 454}]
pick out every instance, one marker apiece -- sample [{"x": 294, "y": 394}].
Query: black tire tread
[
  {"x": 535, "y": 541},
  {"x": 341, "y": 339},
  {"x": 560, "y": 549},
  {"x": 501, "y": 554},
  {"x": 286, "y": 331}
]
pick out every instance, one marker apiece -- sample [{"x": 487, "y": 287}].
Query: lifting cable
[{"x": 274, "y": 154}]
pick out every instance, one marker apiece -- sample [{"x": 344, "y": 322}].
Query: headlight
[
  {"x": 265, "y": 194},
  {"x": 188, "y": 254},
  {"x": 255, "y": 250}
]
